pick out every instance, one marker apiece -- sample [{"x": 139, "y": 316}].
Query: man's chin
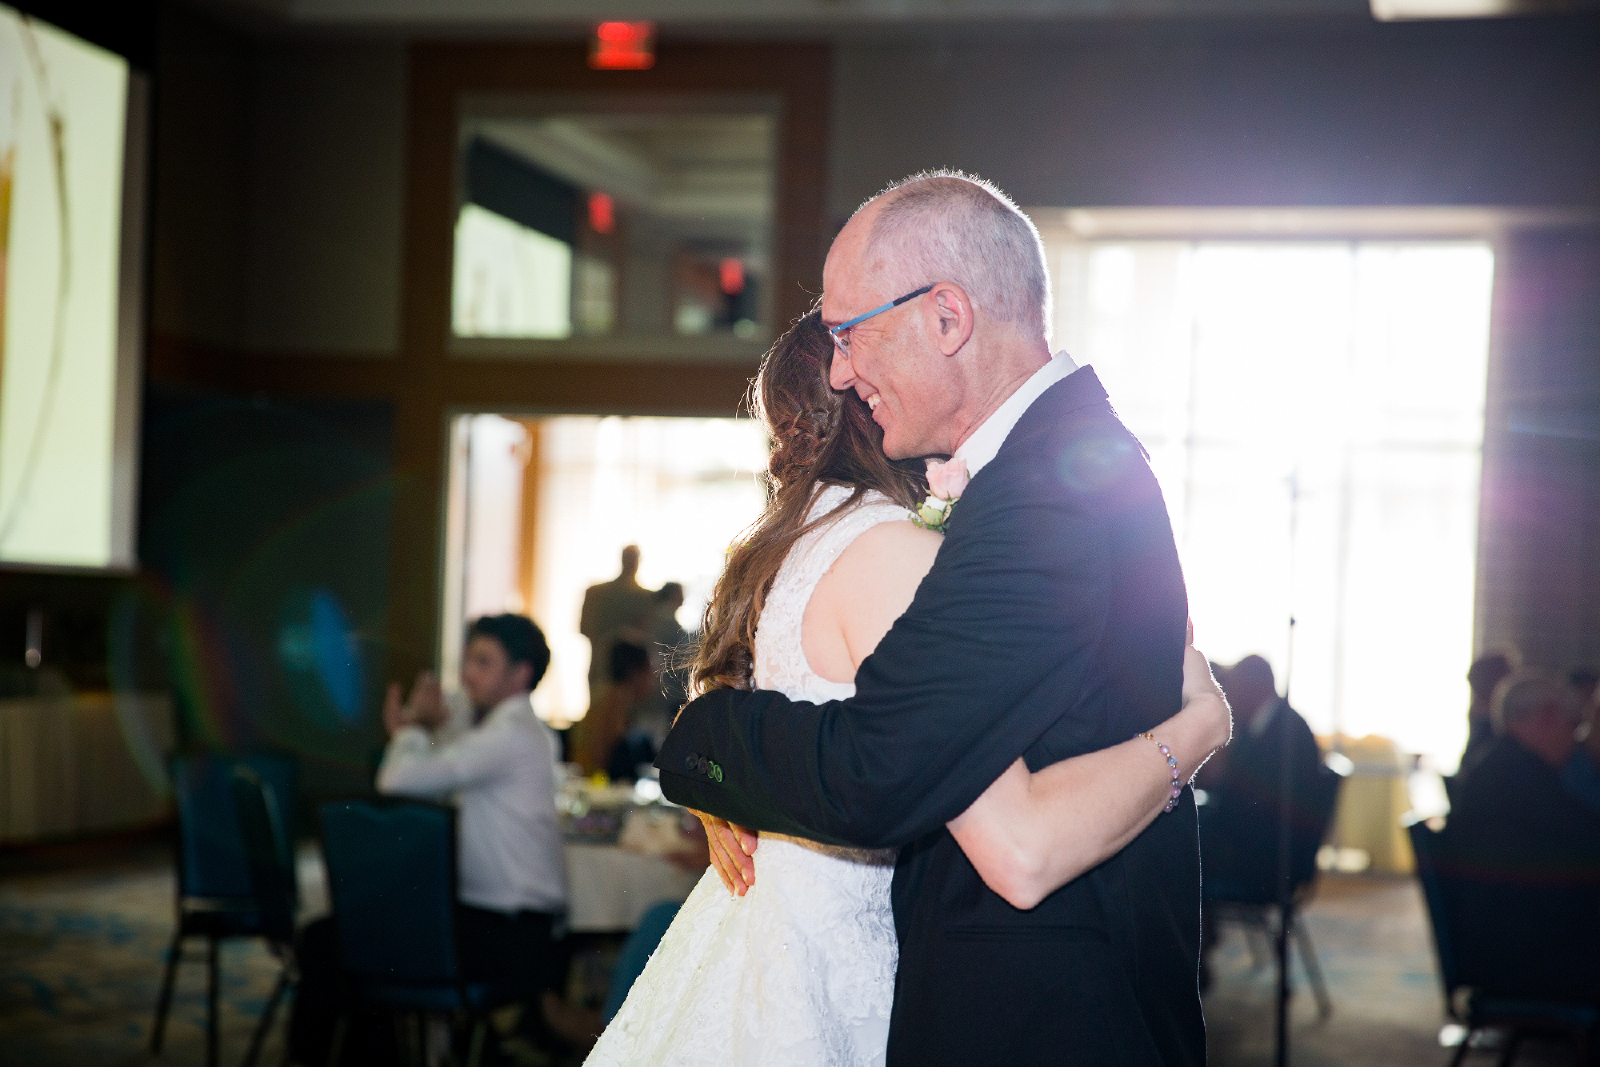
[
  {"x": 895, "y": 451},
  {"x": 895, "y": 448}
]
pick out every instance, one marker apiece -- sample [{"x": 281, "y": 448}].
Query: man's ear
[
  {"x": 953, "y": 310},
  {"x": 523, "y": 672}
]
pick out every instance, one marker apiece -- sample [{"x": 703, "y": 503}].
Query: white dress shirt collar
[{"x": 985, "y": 442}]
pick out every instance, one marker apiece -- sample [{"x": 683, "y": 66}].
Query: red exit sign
[{"x": 623, "y": 46}]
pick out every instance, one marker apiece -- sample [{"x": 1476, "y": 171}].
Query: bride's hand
[
  {"x": 1203, "y": 696},
  {"x": 732, "y": 852}
]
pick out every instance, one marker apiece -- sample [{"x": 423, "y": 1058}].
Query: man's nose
[{"x": 840, "y": 373}]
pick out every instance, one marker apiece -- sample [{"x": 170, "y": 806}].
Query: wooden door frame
[{"x": 431, "y": 383}]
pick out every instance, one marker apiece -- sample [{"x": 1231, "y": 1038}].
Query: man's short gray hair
[
  {"x": 1527, "y": 693},
  {"x": 946, "y": 226}
]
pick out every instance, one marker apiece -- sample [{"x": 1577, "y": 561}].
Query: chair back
[
  {"x": 1321, "y": 801},
  {"x": 1425, "y": 845},
  {"x": 211, "y": 852},
  {"x": 392, "y": 882},
  {"x": 268, "y": 854}
]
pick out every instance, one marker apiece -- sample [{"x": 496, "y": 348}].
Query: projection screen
[{"x": 72, "y": 170}]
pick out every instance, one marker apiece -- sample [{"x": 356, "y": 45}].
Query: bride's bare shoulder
[
  {"x": 894, "y": 552},
  {"x": 868, "y": 587}
]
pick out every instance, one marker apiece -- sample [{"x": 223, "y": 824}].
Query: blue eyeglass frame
[{"x": 837, "y": 332}]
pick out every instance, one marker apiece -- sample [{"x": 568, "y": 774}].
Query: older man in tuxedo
[{"x": 1051, "y": 624}]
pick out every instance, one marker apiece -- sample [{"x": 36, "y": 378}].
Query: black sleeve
[{"x": 992, "y": 651}]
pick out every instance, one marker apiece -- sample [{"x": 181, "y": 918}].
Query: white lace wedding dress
[{"x": 799, "y": 972}]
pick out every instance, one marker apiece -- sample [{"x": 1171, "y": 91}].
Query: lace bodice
[{"x": 799, "y": 972}]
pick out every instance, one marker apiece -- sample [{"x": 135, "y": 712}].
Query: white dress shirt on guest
[{"x": 502, "y": 776}]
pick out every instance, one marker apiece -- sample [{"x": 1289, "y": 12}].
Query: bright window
[
  {"x": 1314, "y": 412},
  {"x": 541, "y": 508}
]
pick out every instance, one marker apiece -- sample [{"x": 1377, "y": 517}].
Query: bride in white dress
[{"x": 796, "y": 966}]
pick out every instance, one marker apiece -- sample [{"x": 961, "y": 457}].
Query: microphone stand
[{"x": 1285, "y": 784}]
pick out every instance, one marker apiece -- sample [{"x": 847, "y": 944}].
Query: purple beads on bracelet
[{"x": 1172, "y": 765}]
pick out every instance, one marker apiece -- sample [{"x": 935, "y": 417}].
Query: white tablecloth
[{"x": 609, "y": 889}]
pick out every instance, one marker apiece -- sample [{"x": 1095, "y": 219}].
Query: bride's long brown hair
[{"x": 819, "y": 438}]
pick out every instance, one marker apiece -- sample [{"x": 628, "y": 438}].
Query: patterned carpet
[
  {"x": 1371, "y": 938},
  {"x": 81, "y": 952}
]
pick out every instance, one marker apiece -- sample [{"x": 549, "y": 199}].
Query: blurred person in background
[
  {"x": 1486, "y": 672},
  {"x": 669, "y": 646},
  {"x": 501, "y": 775},
  {"x": 1523, "y": 841},
  {"x": 612, "y": 611},
  {"x": 1246, "y": 777},
  {"x": 1545, "y": 743},
  {"x": 605, "y": 739},
  {"x": 1244, "y": 786}
]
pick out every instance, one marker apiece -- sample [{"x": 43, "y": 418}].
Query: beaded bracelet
[{"x": 1172, "y": 765}]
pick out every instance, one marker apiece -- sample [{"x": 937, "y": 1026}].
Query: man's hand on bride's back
[{"x": 732, "y": 852}]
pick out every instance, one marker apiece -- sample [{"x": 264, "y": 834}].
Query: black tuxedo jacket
[{"x": 1051, "y": 624}]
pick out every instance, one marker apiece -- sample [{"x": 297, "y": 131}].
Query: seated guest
[
  {"x": 607, "y": 738},
  {"x": 1523, "y": 852},
  {"x": 501, "y": 774},
  {"x": 1244, "y": 787},
  {"x": 1484, "y": 676},
  {"x": 1243, "y": 783}
]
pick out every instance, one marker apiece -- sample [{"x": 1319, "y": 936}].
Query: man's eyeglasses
[{"x": 841, "y": 332}]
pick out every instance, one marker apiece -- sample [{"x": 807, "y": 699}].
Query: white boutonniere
[{"x": 947, "y": 479}]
